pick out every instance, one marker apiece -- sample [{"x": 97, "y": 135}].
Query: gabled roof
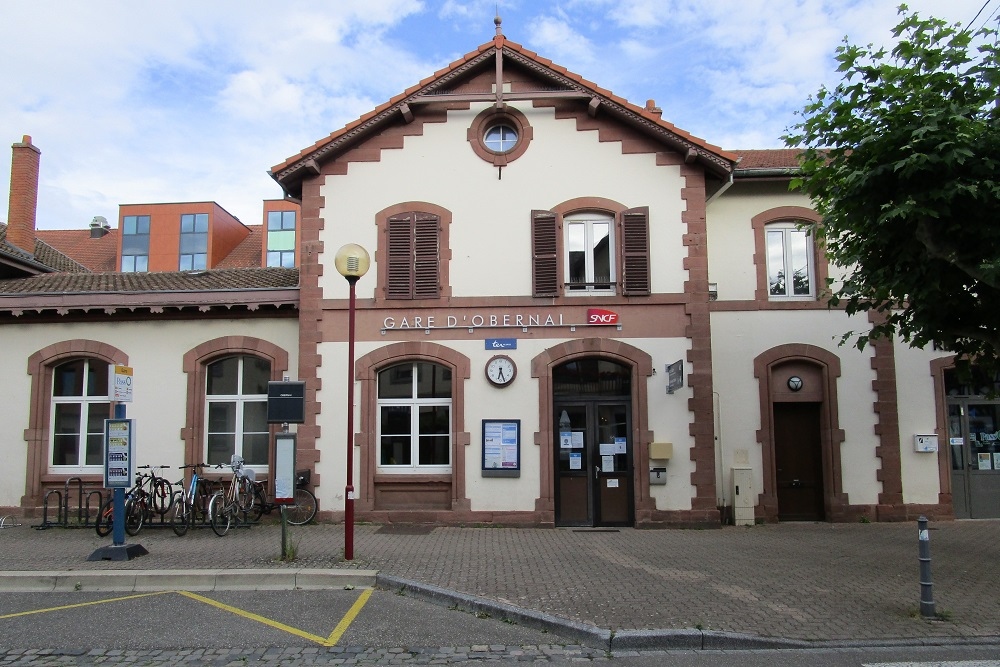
[{"x": 560, "y": 83}]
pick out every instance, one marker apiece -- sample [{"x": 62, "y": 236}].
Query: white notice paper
[
  {"x": 575, "y": 461},
  {"x": 607, "y": 464},
  {"x": 612, "y": 483}
]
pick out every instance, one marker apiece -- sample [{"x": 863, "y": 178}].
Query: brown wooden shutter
[
  {"x": 635, "y": 251},
  {"x": 399, "y": 276},
  {"x": 426, "y": 256},
  {"x": 544, "y": 254}
]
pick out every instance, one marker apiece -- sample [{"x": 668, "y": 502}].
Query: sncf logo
[{"x": 601, "y": 316}]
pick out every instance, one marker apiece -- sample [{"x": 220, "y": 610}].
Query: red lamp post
[{"x": 352, "y": 262}]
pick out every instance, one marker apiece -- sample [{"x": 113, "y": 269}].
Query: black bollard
[{"x": 926, "y": 585}]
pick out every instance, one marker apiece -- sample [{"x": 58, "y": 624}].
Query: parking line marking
[
  {"x": 82, "y": 604},
  {"x": 348, "y": 618},
  {"x": 255, "y": 617}
]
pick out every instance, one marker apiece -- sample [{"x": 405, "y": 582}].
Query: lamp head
[{"x": 352, "y": 261}]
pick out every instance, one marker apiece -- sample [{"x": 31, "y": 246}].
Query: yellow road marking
[
  {"x": 83, "y": 604},
  {"x": 332, "y": 640},
  {"x": 348, "y": 618}
]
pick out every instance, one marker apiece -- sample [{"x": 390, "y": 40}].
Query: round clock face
[{"x": 500, "y": 370}]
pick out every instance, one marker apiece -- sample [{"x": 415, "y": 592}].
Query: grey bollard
[{"x": 926, "y": 585}]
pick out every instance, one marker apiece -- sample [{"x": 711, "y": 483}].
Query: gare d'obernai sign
[{"x": 594, "y": 317}]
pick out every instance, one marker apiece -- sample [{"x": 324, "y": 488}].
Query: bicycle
[
  {"x": 159, "y": 490},
  {"x": 297, "y": 513},
  {"x": 188, "y": 505},
  {"x": 135, "y": 510},
  {"x": 238, "y": 497}
]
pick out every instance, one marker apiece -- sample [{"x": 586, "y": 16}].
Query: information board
[
  {"x": 119, "y": 469},
  {"x": 501, "y": 448}
]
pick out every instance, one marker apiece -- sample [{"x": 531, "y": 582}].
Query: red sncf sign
[{"x": 601, "y": 316}]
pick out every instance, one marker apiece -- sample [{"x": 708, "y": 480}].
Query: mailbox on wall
[{"x": 286, "y": 402}]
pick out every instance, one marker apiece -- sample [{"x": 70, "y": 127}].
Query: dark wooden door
[
  {"x": 593, "y": 464},
  {"x": 798, "y": 459}
]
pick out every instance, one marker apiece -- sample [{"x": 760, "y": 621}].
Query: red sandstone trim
[{"x": 37, "y": 436}]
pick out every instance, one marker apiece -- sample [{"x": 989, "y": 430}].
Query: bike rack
[
  {"x": 83, "y": 500},
  {"x": 45, "y": 510},
  {"x": 8, "y": 521}
]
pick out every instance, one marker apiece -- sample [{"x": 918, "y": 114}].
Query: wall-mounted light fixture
[{"x": 713, "y": 291}]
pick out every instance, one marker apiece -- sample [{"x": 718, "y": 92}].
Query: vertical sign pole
[{"x": 118, "y": 518}]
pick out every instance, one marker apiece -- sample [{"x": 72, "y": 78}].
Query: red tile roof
[
  {"x": 97, "y": 254},
  {"x": 172, "y": 281},
  {"x": 775, "y": 158},
  {"x": 248, "y": 253}
]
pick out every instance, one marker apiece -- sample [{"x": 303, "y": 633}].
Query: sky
[{"x": 150, "y": 102}]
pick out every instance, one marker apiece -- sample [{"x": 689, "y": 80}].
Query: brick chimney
[{"x": 23, "y": 195}]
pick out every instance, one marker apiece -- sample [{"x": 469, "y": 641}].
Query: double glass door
[
  {"x": 974, "y": 449},
  {"x": 593, "y": 463}
]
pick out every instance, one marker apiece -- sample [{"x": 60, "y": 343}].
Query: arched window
[
  {"x": 414, "y": 418},
  {"x": 80, "y": 404},
  {"x": 236, "y": 410}
]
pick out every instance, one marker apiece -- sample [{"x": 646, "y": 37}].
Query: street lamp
[{"x": 352, "y": 262}]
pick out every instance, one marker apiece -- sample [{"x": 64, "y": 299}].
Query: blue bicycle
[{"x": 192, "y": 505}]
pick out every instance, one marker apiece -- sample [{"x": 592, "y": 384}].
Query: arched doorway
[
  {"x": 593, "y": 444},
  {"x": 799, "y": 433}
]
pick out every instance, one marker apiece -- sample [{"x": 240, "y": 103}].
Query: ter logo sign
[{"x": 601, "y": 316}]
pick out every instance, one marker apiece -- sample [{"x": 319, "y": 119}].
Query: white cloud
[{"x": 188, "y": 100}]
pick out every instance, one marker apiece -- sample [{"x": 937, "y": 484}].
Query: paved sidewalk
[{"x": 822, "y": 583}]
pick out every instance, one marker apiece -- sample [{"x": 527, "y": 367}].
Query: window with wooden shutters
[
  {"x": 635, "y": 251},
  {"x": 544, "y": 251},
  {"x": 413, "y": 243}
]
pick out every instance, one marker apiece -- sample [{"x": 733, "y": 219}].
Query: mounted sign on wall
[
  {"x": 501, "y": 448},
  {"x": 286, "y": 402},
  {"x": 675, "y": 376}
]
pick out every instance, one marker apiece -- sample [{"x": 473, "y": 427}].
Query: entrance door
[
  {"x": 593, "y": 452},
  {"x": 798, "y": 460},
  {"x": 974, "y": 449}
]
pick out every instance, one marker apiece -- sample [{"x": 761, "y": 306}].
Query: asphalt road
[{"x": 296, "y": 618}]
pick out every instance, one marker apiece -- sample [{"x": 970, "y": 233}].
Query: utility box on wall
[{"x": 743, "y": 497}]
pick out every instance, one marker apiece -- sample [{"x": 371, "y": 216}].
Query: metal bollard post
[{"x": 926, "y": 585}]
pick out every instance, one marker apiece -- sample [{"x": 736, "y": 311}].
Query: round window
[{"x": 500, "y": 138}]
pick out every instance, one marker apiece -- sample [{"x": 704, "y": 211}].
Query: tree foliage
[{"x": 901, "y": 160}]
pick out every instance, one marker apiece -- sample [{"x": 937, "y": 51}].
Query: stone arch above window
[
  {"x": 626, "y": 251},
  {"x": 195, "y": 363},
  {"x": 786, "y": 217},
  {"x": 413, "y": 254},
  {"x": 41, "y": 365},
  {"x": 440, "y": 492}
]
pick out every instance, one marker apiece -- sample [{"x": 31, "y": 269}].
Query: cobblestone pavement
[
  {"x": 268, "y": 657},
  {"x": 806, "y": 581}
]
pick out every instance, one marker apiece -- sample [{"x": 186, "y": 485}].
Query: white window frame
[
  {"x": 787, "y": 229},
  {"x": 414, "y": 467},
  {"x": 588, "y": 220},
  {"x": 241, "y": 400},
  {"x": 85, "y": 402}
]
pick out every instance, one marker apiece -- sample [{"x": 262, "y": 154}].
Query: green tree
[{"x": 901, "y": 160}]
